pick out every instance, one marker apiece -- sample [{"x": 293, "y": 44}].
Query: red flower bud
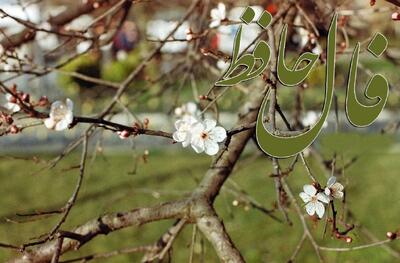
[
  {"x": 124, "y": 134},
  {"x": 391, "y": 235},
  {"x": 9, "y": 120},
  {"x": 25, "y": 97},
  {"x": 14, "y": 129},
  {"x": 43, "y": 101},
  {"x": 14, "y": 88}
]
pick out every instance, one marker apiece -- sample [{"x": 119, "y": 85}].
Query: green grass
[{"x": 110, "y": 185}]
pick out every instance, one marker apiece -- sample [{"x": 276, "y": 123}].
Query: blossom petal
[
  {"x": 337, "y": 187},
  {"x": 70, "y": 105},
  {"x": 55, "y": 105},
  {"x": 327, "y": 191},
  {"x": 331, "y": 181},
  {"x": 214, "y": 14},
  {"x": 186, "y": 142},
  {"x": 189, "y": 119},
  {"x": 197, "y": 144},
  {"x": 62, "y": 125},
  {"x": 178, "y": 124},
  {"x": 209, "y": 124},
  {"x": 338, "y": 194},
  {"x": 179, "y": 136},
  {"x": 310, "y": 208},
  {"x": 191, "y": 108},
  {"x": 12, "y": 107},
  {"x": 197, "y": 129},
  {"x": 320, "y": 209},
  {"x": 49, "y": 123},
  {"x": 309, "y": 189},
  {"x": 211, "y": 147},
  {"x": 69, "y": 117},
  {"x": 323, "y": 198},
  {"x": 178, "y": 111},
  {"x": 305, "y": 197},
  {"x": 215, "y": 23},
  {"x": 221, "y": 10},
  {"x": 218, "y": 134}
]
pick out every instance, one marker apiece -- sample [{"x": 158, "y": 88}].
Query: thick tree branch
[{"x": 103, "y": 226}]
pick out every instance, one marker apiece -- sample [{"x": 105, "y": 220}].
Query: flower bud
[
  {"x": 396, "y": 16},
  {"x": 8, "y": 119},
  {"x": 391, "y": 235},
  {"x": 43, "y": 101},
  {"x": 189, "y": 34},
  {"x": 14, "y": 129},
  {"x": 124, "y": 134},
  {"x": 14, "y": 88},
  {"x": 348, "y": 240},
  {"x": 312, "y": 37},
  {"x": 25, "y": 97}
]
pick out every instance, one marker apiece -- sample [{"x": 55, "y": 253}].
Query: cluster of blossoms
[
  {"x": 316, "y": 201},
  {"x": 202, "y": 135},
  {"x": 218, "y": 15},
  {"x": 60, "y": 116}
]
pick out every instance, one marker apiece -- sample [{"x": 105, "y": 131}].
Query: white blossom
[
  {"x": 187, "y": 110},
  {"x": 217, "y": 15},
  {"x": 317, "y": 49},
  {"x": 183, "y": 131},
  {"x": 222, "y": 65},
  {"x": 61, "y": 115},
  {"x": 206, "y": 136},
  {"x": 10, "y": 104},
  {"x": 333, "y": 188},
  {"x": 83, "y": 46},
  {"x": 122, "y": 55},
  {"x": 160, "y": 29},
  {"x": 311, "y": 118},
  {"x": 47, "y": 41},
  {"x": 225, "y": 37},
  {"x": 314, "y": 200}
]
